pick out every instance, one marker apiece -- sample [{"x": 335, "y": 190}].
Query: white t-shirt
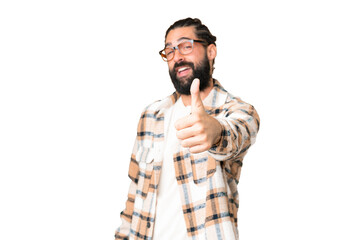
[{"x": 169, "y": 218}]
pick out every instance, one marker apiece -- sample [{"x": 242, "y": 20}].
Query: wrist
[{"x": 219, "y": 129}]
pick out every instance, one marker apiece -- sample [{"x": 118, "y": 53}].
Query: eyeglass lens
[{"x": 184, "y": 48}]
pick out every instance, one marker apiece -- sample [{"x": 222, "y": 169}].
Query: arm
[
  {"x": 123, "y": 231},
  {"x": 240, "y": 124},
  {"x": 226, "y": 133}
]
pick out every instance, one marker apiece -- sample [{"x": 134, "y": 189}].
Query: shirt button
[
  {"x": 148, "y": 225},
  {"x": 224, "y": 143}
]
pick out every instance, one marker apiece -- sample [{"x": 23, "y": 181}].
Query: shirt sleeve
[
  {"x": 123, "y": 231},
  {"x": 240, "y": 124}
]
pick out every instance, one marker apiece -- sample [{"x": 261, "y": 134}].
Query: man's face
[{"x": 184, "y": 68}]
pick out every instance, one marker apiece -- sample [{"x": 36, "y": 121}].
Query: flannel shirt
[{"x": 207, "y": 181}]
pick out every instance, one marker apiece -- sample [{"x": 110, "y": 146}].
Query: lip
[
  {"x": 182, "y": 68},
  {"x": 181, "y": 71}
]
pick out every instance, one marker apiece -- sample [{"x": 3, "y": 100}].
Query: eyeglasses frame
[{"x": 163, "y": 56}]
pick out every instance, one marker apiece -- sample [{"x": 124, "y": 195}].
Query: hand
[{"x": 198, "y": 131}]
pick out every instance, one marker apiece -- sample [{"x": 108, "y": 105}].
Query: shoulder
[
  {"x": 227, "y": 98},
  {"x": 157, "y": 108},
  {"x": 233, "y": 104}
]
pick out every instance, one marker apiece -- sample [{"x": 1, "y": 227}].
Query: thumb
[{"x": 196, "y": 103}]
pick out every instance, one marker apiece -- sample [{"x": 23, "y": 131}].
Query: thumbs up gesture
[{"x": 198, "y": 131}]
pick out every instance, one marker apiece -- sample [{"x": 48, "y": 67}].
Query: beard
[{"x": 202, "y": 72}]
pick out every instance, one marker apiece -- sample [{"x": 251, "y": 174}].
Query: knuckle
[
  {"x": 196, "y": 117},
  {"x": 201, "y": 128},
  {"x": 194, "y": 150},
  {"x": 185, "y": 143},
  {"x": 178, "y": 135}
]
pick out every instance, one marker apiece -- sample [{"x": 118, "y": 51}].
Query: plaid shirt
[{"x": 207, "y": 181}]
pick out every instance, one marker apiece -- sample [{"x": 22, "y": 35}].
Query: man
[{"x": 189, "y": 149}]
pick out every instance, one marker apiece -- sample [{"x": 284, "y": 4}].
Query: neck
[{"x": 203, "y": 94}]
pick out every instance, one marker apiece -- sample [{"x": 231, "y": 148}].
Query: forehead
[{"x": 178, "y": 34}]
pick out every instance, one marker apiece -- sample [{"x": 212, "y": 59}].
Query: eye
[
  {"x": 169, "y": 51},
  {"x": 185, "y": 45}
]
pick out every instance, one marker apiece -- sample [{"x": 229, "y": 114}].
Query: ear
[{"x": 211, "y": 52}]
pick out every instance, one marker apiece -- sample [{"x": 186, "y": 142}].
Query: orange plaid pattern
[{"x": 207, "y": 181}]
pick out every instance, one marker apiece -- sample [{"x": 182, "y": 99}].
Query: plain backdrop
[{"x": 75, "y": 76}]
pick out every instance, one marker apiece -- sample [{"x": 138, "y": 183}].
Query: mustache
[{"x": 180, "y": 64}]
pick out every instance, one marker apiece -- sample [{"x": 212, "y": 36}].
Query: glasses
[{"x": 184, "y": 48}]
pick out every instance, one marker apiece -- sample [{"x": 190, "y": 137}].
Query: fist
[{"x": 199, "y": 131}]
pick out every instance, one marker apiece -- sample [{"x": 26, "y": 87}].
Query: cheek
[
  {"x": 170, "y": 66},
  {"x": 198, "y": 57}
]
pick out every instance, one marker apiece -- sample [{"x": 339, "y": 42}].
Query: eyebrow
[{"x": 180, "y": 39}]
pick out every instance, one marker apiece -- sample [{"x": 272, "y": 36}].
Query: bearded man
[{"x": 189, "y": 149}]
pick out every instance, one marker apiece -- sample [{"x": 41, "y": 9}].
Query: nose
[{"x": 178, "y": 57}]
